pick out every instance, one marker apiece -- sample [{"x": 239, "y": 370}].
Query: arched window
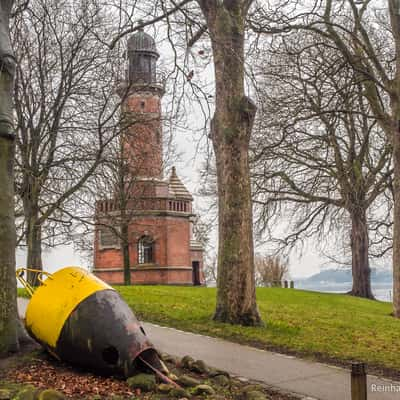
[{"x": 145, "y": 250}]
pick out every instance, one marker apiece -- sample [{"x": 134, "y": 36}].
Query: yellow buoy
[{"x": 81, "y": 319}]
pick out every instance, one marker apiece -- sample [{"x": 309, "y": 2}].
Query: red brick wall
[
  {"x": 106, "y": 258},
  {"x": 148, "y": 276},
  {"x": 166, "y": 276},
  {"x": 149, "y": 226},
  {"x": 178, "y": 236},
  {"x": 111, "y": 277},
  {"x": 171, "y": 235},
  {"x": 143, "y": 140}
]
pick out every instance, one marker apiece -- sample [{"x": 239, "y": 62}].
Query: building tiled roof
[{"x": 176, "y": 188}]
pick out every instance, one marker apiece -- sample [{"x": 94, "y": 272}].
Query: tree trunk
[
  {"x": 8, "y": 285},
  {"x": 34, "y": 242},
  {"x": 125, "y": 254},
  {"x": 230, "y": 134},
  {"x": 396, "y": 218},
  {"x": 359, "y": 255},
  {"x": 8, "y": 292}
]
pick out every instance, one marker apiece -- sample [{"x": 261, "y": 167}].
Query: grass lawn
[{"x": 329, "y": 327}]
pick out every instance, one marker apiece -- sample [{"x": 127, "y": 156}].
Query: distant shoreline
[{"x": 382, "y": 291}]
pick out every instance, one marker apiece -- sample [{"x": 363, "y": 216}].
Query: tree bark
[
  {"x": 8, "y": 285},
  {"x": 396, "y": 218},
  {"x": 393, "y": 131},
  {"x": 359, "y": 255},
  {"x": 230, "y": 133},
  {"x": 125, "y": 254},
  {"x": 34, "y": 244},
  {"x": 8, "y": 293}
]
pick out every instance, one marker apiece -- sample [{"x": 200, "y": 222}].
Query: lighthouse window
[{"x": 145, "y": 250}]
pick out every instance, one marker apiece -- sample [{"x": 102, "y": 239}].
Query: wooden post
[
  {"x": 291, "y": 284},
  {"x": 358, "y": 381}
]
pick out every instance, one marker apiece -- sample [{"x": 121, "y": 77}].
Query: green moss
[
  {"x": 51, "y": 394},
  {"x": 16, "y": 391},
  {"x": 330, "y": 325},
  {"x": 179, "y": 393},
  {"x": 188, "y": 381},
  {"x": 255, "y": 395},
  {"x": 145, "y": 382},
  {"x": 26, "y": 394}
]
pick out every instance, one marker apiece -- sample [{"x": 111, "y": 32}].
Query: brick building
[{"x": 162, "y": 248}]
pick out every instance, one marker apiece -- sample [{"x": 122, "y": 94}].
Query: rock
[
  {"x": 215, "y": 372},
  {"x": 164, "y": 388},
  {"x": 203, "y": 389},
  {"x": 221, "y": 380},
  {"x": 252, "y": 388},
  {"x": 199, "y": 366},
  {"x": 187, "y": 361},
  {"x": 27, "y": 393},
  {"x": 217, "y": 397},
  {"x": 255, "y": 395},
  {"x": 145, "y": 382},
  {"x": 188, "y": 381},
  {"x": 5, "y": 394},
  {"x": 179, "y": 393},
  {"x": 51, "y": 394},
  {"x": 168, "y": 358}
]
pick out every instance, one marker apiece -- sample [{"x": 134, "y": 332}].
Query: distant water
[{"x": 381, "y": 291}]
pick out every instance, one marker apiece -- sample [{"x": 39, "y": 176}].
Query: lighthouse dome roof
[{"x": 142, "y": 42}]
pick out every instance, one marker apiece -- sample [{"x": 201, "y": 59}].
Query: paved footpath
[{"x": 310, "y": 379}]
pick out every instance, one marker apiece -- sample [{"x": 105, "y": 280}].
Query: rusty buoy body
[{"x": 81, "y": 320}]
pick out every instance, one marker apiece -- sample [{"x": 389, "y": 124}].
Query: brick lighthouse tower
[
  {"x": 162, "y": 248},
  {"x": 143, "y": 107}
]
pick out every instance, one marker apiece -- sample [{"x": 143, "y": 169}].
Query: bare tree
[
  {"x": 325, "y": 158},
  {"x": 368, "y": 36},
  {"x": 65, "y": 100},
  {"x": 271, "y": 270},
  {"x": 231, "y": 128},
  {"x": 8, "y": 300}
]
